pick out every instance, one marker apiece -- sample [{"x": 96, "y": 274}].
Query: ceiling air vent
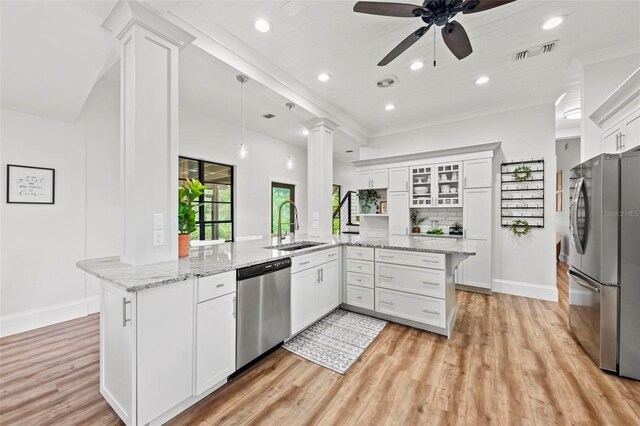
[
  {"x": 540, "y": 49},
  {"x": 268, "y": 116},
  {"x": 387, "y": 81}
]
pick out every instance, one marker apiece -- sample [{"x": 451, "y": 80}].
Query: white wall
[
  {"x": 522, "y": 266},
  {"x": 598, "y": 81},
  {"x": 42, "y": 243},
  {"x": 567, "y": 157}
]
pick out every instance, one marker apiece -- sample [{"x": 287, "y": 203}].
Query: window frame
[
  {"x": 201, "y": 223},
  {"x": 292, "y": 188}
]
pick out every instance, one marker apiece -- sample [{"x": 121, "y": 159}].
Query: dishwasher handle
[{"x": 262, "y": 269}]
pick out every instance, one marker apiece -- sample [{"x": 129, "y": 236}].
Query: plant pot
[
  {"x": 416, "y": 230},
  {"x": 366, "y": 209},
  {"x": 184, "y": 241}
]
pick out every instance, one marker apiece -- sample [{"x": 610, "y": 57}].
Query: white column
[
  {"x": 149, "y": 131},
  {"x": 320, "y": 176}
]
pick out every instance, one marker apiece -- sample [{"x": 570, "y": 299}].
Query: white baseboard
[
  {"x": 534, "y": 291},
  {"x": 36, "y": 318}
]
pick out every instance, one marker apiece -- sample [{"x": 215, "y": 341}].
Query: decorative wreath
[
  {"x": 517, "y": 224},
  {"x": 522, "y": 173}
]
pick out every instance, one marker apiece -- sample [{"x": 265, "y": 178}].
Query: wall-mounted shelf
[{"x": 518, "y": 199}]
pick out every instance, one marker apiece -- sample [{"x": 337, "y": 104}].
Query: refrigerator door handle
[
  {"x": 583, "y": 283},
  {"x": 574, "y": 217}
]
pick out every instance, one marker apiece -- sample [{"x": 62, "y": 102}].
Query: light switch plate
[
  {"x": 316, "y": 216},
  {"x": 158, "y": 238},
  {"x": 158, "y": 221},
  {"x": 316, "y": 224}
]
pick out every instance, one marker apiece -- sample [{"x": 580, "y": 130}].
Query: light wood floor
[{"x": 511, "y": 361}]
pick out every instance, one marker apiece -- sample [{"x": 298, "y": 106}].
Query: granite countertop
[{"x": 215, "y": 259}]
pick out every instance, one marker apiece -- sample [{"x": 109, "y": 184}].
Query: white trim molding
[{"x": 532, "y": 290}]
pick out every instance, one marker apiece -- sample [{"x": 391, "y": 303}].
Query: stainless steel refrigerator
[{"x": 604, "y": 273}]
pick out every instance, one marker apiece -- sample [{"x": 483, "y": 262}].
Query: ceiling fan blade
[
  {"x": 457, "y": 40},
  {"x": 401, "y": 10},
  {"x": 473, "y": 6},
  {"x": 404, "y": 45}
]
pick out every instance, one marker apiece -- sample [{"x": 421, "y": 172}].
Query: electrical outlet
[
  {"x": 158, "y": 238},
  {"x": 316, "y": 216},
  {"x": 158, "y": 221},
  {"x": 316, "y": 224}
]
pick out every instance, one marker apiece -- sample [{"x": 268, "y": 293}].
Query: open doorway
[{"x": 567, "y": 156}]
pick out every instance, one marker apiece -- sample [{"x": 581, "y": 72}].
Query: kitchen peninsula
[{"x": 168, "y": 330}]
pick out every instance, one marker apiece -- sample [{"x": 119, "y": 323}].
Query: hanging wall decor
[
  {"x": 522, "y": 200},
  {"x": 30, "y": 185}
]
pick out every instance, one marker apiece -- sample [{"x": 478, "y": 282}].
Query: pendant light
[
  {"x": 290, "y": 157},
  {"x": 243, "y": 150}
]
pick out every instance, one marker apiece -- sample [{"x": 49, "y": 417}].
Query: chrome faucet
[{"x": 296, "y": 221}]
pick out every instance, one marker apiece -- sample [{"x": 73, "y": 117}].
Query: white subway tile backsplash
[{"x": 445, "y": 216}]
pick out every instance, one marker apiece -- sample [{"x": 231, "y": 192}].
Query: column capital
[
  {"x": 318, "y": 122},
  {"x": 126, "y": 13}
]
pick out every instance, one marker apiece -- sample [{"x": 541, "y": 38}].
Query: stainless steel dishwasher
[{"x": 264, "y": 309}]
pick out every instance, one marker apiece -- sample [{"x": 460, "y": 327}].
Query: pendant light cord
[{"x": 242, "y": 107}]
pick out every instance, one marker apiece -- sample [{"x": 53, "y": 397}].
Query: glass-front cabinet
[
  {"x": 436, "y": 185},
  {"x": 421, "y": 184}
]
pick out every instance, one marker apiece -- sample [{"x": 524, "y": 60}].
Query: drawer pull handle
[
  {"x": 386, "y": 257},
  {"x": 431, "y": 312},
  {"x": 428, "y": 283},
  {"x": 359, "y": 280},
  {"x": 359, "y": 297},
  {"x": 333, "y": 254},
  {"x": 219, "y": 285},
  {"x": 358, "y": 266},
  {"x": 429, "y": 261},
  {"x": 386, "y": 303},
  {"x": 305, "y": 262},
  {"x": 386, "y": 277}
]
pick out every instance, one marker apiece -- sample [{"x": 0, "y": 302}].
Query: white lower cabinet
[
  {"x": 423, "y": 309},
  {"x": 314, "y": 293},
  {"x": 360, "y": 297},
  {"x": 428, "y": 282},
  {"x": 215, "y": 341},
  {"x": 146, "y": 349}
]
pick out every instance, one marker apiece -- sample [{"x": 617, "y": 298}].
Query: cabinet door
[
  {"x": 476, "y": 270},
  {"x": 631, "y": 134},
  {"x": 329, "y": 288},
  {"x": 398, "y": 210},
  {"x": 399, "y": 179},
  {"x": 304, "y": 299},
  {"x": 477, "y": 214},
  {"x": 380, "y": 179},
  {"x": 364, "y": 180},
  {"x": 477, "y": 173},
  {"x": 165, "y": 347},
  {"x": 215, "y": 341},
  {"x": 610, "y": 139},
  {"x": 448, "y": 190}
]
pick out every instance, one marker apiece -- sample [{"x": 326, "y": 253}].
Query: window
[
  {"x": 215, "y": 214},
  {"x": 281, "y": 192},
  {"x": 335, "y": 204}
]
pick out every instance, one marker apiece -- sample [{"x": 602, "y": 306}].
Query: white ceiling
[{"x": 309, "y": 37}]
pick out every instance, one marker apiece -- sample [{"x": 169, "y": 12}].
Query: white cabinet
[
  {"x": 146, "y": 349},
  {"x": 421, "y": 184},
  {"x": 398, "y": 210},
  {"x": 631, "y": 135},
  {"x": 314, "y": 291},
  {"x": 373, "y": 179},
  {"x": 476, "y": 270},
  {"x": 215, "y": 341},
  {"x": 477, "y": 173},
  {"x": 447, "y": 192},
  {"x": 399, "y": 179},
  {"x": 611, "y": 139}
]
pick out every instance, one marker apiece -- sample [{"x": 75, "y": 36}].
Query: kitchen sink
[{"x": 295, "y": 246}]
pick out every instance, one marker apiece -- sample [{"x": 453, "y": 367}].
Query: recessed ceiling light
[
  {"x": 416, "y": 65},
  {"x": 390, "y": 107},
  {"x": 560, "y": 98},
  {"x": 305, "y": 132},
  {"x": 262, "y": 25},
  {"x": 552, "y": 23},
  {"x": 324, "y": 77},
  {"x": 482, "y": 80},
  {"x": 573, "y": 114}
]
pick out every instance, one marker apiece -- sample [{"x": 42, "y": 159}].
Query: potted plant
[
  {"x": 187, "y": 196},
  {"x": 368, "y": 199},
  {"x": 416, "y": 220},
  {"x": 456, "y": 229}
]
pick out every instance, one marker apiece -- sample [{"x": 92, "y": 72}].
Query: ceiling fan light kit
[{"x": 431, "y": 12}]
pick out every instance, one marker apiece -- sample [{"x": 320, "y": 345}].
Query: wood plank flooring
[{"x": 511, "y": 361}]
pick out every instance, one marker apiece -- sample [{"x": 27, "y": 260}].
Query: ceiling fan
[{"x": 438, "y": 12}]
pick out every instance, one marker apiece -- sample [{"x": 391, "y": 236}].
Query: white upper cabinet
[
  {"x": 399, "y": 179},
  {"x": 448, "y": 191},
  {"x": 631, "y": 135},
  {"x": 373, "y": 179},
  {"x": 422, "y": 178},
  {"x": 478, "y": 173},
  {"x": 398, "y": 210}
]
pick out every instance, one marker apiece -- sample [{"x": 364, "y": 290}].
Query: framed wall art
[{"x": 30, "y": 185}]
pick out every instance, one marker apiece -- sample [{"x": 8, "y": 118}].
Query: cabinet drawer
[
  {"x": 361, "y": 266},
  {"x": 423, "y": 309},
  {"x": 411, "y": 258},
  {"x": 358, "y": 296},
  {"x": 306, "y": 261},
  {"x": 362, "y": 280},
  {"x": 360, "y": 253},
  {"x": 428, "y": 282},
  {"x": 216, "y": 285}
]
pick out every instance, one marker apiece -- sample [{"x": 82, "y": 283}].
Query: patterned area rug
[{"x": 337, "y": 340}]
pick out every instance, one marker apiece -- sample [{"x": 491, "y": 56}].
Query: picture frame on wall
[
  {"x": 383, "y": 207},
  {"x": 30, "y": 185}
]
